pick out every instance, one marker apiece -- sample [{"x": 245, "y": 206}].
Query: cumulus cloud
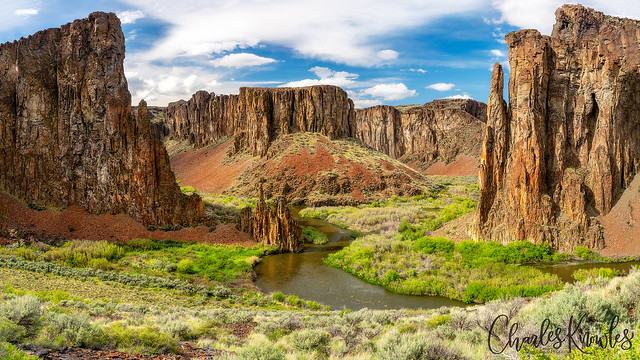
[
  {"x": 241, "y": 60},
  {"x": 359, "y": 103},
  {"x": 387, "y": 54},
  {"x": 26, "y": 12},
  {"x": 498, "y": 53},
  {"x": 390, "y": 92},
  {"x": 441, "y": 86},
  {"x": 130, "y": 17},
  {"x": 459, "y": 96},
  {"x": 310, "y": 28},
  {"x": 326, "y": 77},
  {"x": 541, "y": 14}
]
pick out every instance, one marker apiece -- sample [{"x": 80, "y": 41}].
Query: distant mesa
[
  {"x": 268, "y": 123},
  {"x": 558, "y": 157}
]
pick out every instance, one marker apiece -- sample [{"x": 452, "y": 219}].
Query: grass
[
  {"x": 427, "y": 213},
  {"x": 467, "y": 271},
  {"x": 56, "y": 318},
  {"x": 312, "y": 235}
]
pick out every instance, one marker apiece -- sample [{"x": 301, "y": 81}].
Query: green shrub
[
  {"x": 147, "y": 339},
  {"x": 430, "y": 245},
  {"x": 221, "y": 292},
  {"x": 585, "y": 253},
  {"x": 592, "y": 274},
  {"x": 25, "y": 311},
  {"x": 70, "y": 330},
  {"x": 186, "y": 266},
  {"x": 278, "y": 296},
  {"x": 262, "y": 351},
  {"x": 310, "y": 340},
  {"x": 10, "y": 352},
  {"x": 10, "y": 331},
  {"x": 100, "y": 263},
  {"x": 294, "y": 300},
  {"x": 313, "y": 236},
  {"x": 438, "y": 320}
]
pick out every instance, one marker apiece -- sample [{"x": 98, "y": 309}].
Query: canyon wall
[
  {"x": 442, "y": 129},
  {"x": 67, "y": 132},
  {"x": 560, "y": 154},
  {"x": 258, "y": 115}
]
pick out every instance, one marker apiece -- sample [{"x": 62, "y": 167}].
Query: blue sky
[{"x": 379, "y": 51}]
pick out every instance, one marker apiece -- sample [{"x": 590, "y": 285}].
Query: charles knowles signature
[{"x": 574, "y": 337}]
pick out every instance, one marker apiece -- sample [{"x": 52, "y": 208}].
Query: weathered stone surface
[
  {"x": 559, "y": 156},
  {"x": 439, "y": 129},
  {"x": 272, "y": 226},
  {"x": 67, "y": 133},
  {"x": 259, "y": 115}
]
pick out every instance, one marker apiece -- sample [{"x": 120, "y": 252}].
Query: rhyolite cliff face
[
  {"x": 67, "y": 132},
  {"x": 258, "y": 115},
  {"x": 441, "y": 129},
  {"x": 559, "y": 155}
]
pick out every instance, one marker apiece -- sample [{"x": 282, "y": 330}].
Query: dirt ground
[
  {"x": 463, "y": 165},
  {"x": 204, "y": 168},
  {"x": 76, "y": 223}
]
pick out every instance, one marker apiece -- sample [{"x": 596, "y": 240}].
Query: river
[{"x": 307, "y": 276}]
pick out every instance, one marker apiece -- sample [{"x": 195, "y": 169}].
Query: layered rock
[
  {"x": 67, "y": 133},
  {"x": 258, "y": 115},
  {"x": 272, "y": 226},
  {"x": 569, "y": 142},
  {"x": 441, "y": 129}
]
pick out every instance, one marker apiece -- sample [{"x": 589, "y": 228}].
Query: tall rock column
[
  {"x": 572, "y": 131},
  {"x": 67, "y": 133}
]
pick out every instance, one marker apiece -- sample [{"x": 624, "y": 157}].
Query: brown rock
[
  {"x": 442, "y": 129},
  {"x": 272, "y": 226},
  {"x": 67, "y": 133},
  {"x": 259, "y": 115},
  {"x": 561, "y": 153}
]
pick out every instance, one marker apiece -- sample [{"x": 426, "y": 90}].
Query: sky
[{"x": 379, "y": 51}]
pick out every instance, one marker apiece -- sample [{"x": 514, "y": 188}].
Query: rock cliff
[
  {"x": 258, "y": 115},
  {"x": 441, "y": 129},
  {"x": 272, "y": 226},
  {"x": 67, "y": 132},
  {"x": 560, "y": 154}
]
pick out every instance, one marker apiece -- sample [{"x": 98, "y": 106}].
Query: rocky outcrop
[
  {"x": 272, "y": 226},
  {"x": 67, "y": 132},
  {"x": 441, "y": 129},
  {"x": 258, "y": 115},
  {"x": 560, "y": 154}
]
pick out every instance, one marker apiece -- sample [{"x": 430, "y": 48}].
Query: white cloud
[
  {"x": 130, "y": 17},
  {"x": 419, "y": 70},
  {"x": 326, "y": 77},
  {"x": 387, "y": 54},
  {"x": 498, "y": 53},
  {"x": 359, "y": 103},
  {"x": 492, "y": 21},
  {"x": 390, "y": 92},
  {"x": 441, "y": 86},
  {"x": 341, "y": 31},
  {"x": 459, "y": 96},
  {"x": 241, "y": 60},
  {"x": 26, "y": 12},
  {"x": 541, "y": 14}
]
